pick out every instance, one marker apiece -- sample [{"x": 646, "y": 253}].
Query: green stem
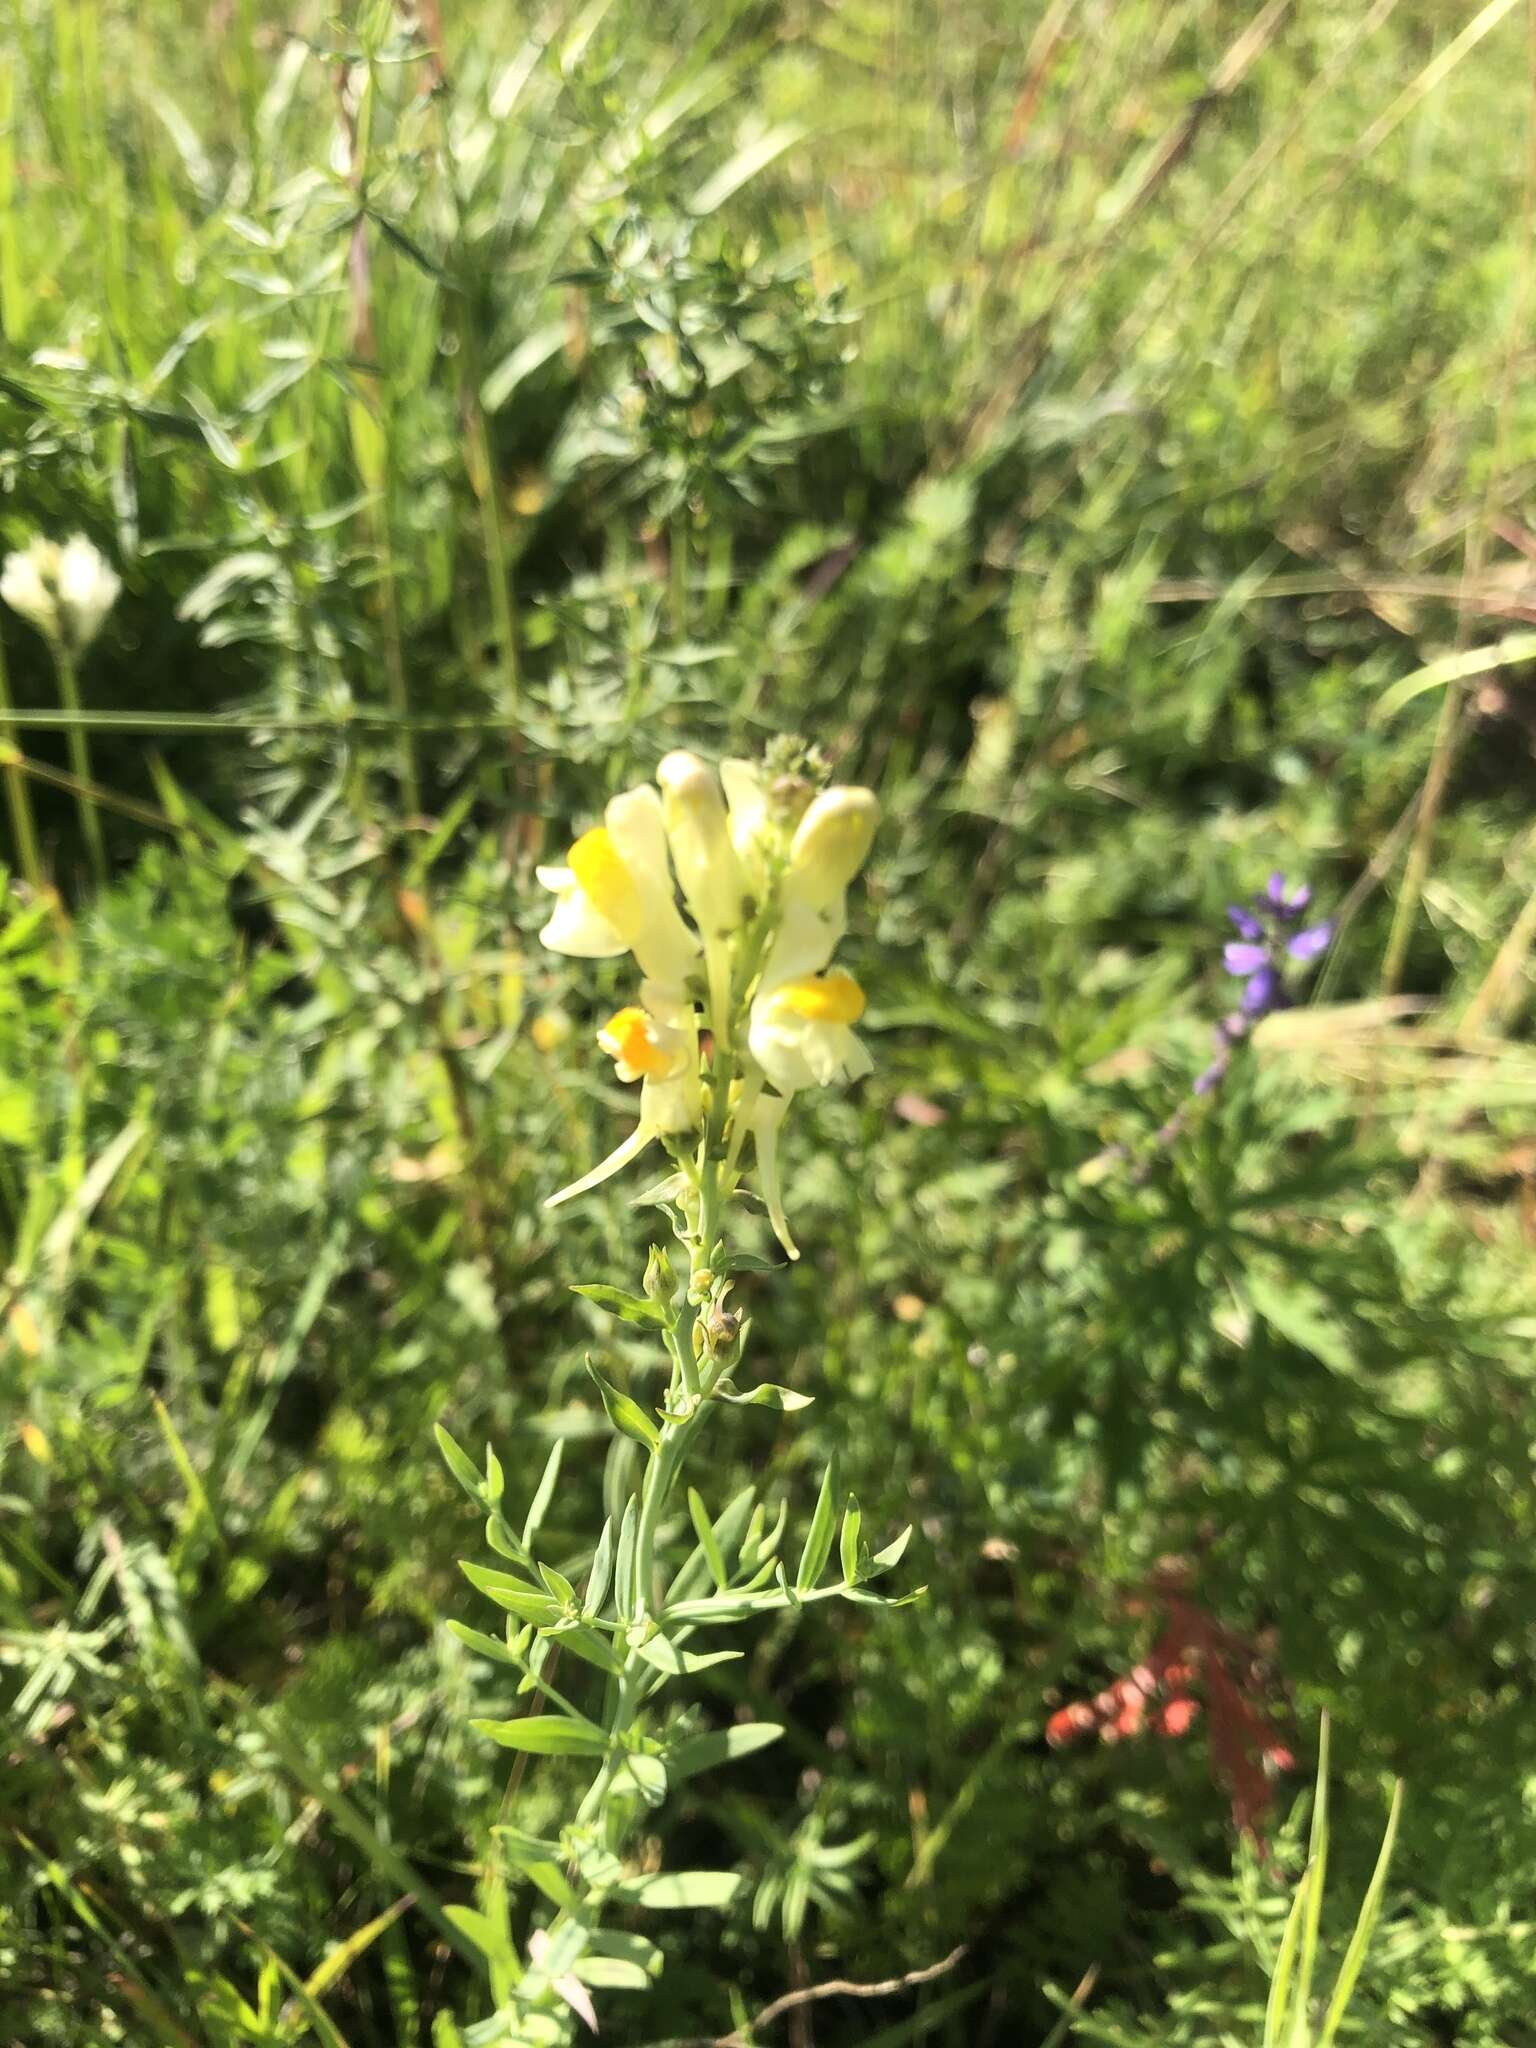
[
  {"x": 493, "y": 538},
  {"x": 80, "y": 758},
  {"x": 678, "y": 566},
  {"x": 18, "y": 797}
]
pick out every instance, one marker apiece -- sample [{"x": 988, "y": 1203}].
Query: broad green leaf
[
  {"x": 1298, "y": 1311},
  {"x": 818, "y": 1541},
  {"x": 720, "y": 1746},
  {"x": 627, "y": 1416},
  {"x": 546, "y": 1735}
]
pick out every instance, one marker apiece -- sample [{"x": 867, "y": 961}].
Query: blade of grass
[{"x": 1354, "y": 1955}]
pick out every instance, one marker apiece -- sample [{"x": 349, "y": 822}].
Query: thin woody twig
[{"x": 835, "y": 1987}]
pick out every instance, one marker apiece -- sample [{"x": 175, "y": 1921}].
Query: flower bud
[
  {"x": 699, "y": 835},
  {"x": 832, "y": 843}
]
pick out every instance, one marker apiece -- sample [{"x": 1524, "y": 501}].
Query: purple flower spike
[
  {"x": 1240, "y": 957},
  {"x": 1262, "y": 992},
  {"x": 1247, "y": 924},
  {"x": 1296, "y": 902},
  {"x": 1308, "y": 944},
  {"x": 1274, "y": 891}
]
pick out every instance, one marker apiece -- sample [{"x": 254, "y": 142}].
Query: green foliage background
[{"x": 1075, "y": 420}]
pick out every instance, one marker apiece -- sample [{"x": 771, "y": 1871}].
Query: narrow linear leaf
[
  {"x": 519, "y": 1598},
  {"x": 483, "y": 1645},
  {"x": 591, "y": 1647},
  {"x": 624, "y": 1571},
  {"x": 848, "y": 1542},
  {"x": 704, "y": 1529},
  {"x": 460, "y": 1465},
  {"x": 1365, "y": 1926},
  {"x": 611, "y": 1973},
  {"x": 629, "y": 1308},
  {"x": 544, "y": 1494},
  {"x": 720, "y": 1746},
  {"x": 663, "y": 1655},
  {"x": 627, "y": 1416},
  {"x": 818, "y": 1541},
  {"x": 740, "y": 169},
  {"x": 680, "y": 1891},
  {"x": 884, "y": 1560},
  {"x": 601, "y": 1573},
  {"x": 769, "y": 1396},
  {"x": 545, "y": 1735}
]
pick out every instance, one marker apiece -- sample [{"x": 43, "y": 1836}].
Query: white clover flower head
[
  {"x": 29, "y": 583},
  {"x": 88, "y": 588},
  {"x": 66, "y": 592}
]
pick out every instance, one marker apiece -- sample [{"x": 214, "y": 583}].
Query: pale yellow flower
[
  {"x": 614, "y": 894},
  {"x": 830, "y": 845},
  {"x": 699, "y": 834},
  {"x": 746, "y": 796},
  {"x": 801, "y": 1033},
  {"x": 656, "y": 1043}
]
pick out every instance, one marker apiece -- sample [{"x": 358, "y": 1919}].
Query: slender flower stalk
[
  {"x": 731, "y": 1020},
  {"x": 18, "y": 796},
  {"x": 66, "y": 593}
]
